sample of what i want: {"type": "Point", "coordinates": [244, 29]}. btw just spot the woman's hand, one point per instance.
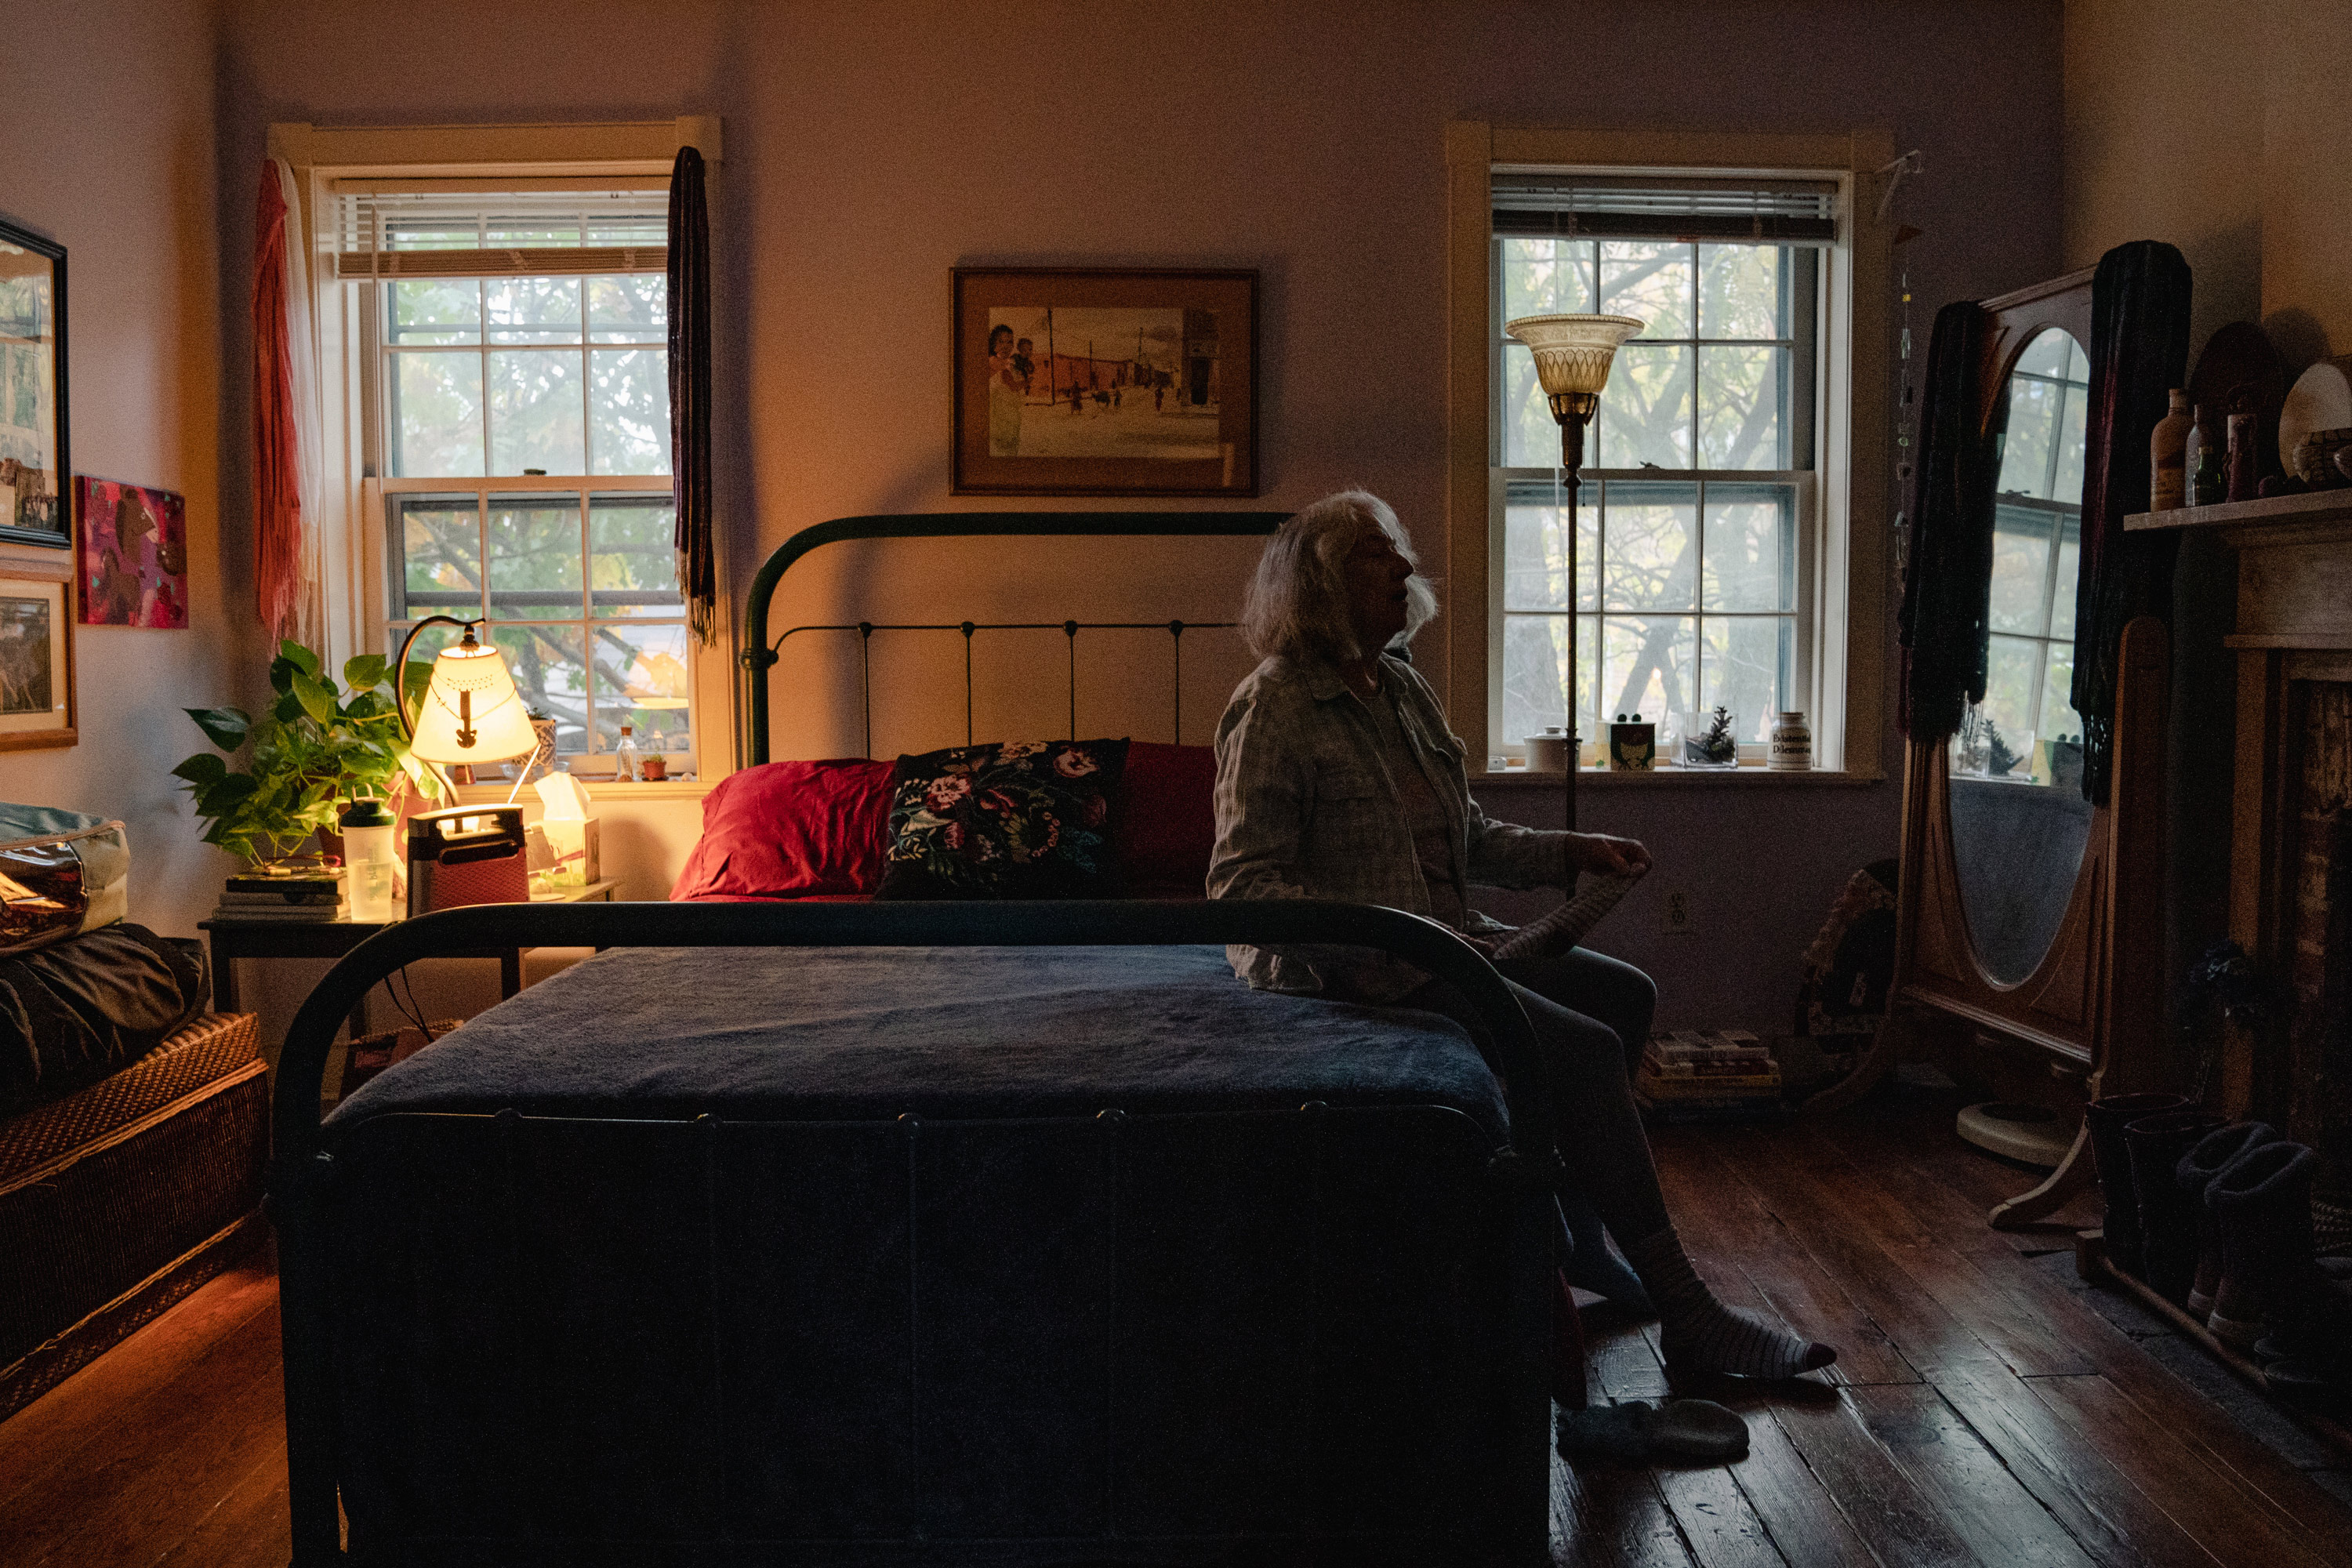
{"type": "Point", "coordinates": [1608, 857]}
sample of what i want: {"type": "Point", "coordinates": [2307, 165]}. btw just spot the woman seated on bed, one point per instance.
{"type": "Point", "coordinates": [1338, 778]}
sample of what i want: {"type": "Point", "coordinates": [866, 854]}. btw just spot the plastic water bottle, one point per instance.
{"type": "Point", "coordinates": [628, 765]}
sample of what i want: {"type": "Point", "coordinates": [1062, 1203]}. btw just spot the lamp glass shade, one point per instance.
{"type": "Point", "coordinates": [1573, 352]}
{"type": "Point", "coordinates": [472, 712]}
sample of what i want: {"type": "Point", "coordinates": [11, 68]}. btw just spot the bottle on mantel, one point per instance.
{"type": "Point", "coordinates": [2209, 483]}
{"type": "Point", "coordinates": [2245, 457]}
{"type": "Point", "coordinates": [2168, 483]}
{"type": "Point", "coordinates": [628, 762]}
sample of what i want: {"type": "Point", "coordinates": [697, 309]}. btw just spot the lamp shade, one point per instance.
{"type": "Point", "coordinates": [1573, 352]}
{"type": "Point", "coordinates": [472, 712]}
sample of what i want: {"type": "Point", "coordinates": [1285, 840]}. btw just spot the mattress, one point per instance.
{"type": "Point", "coordinates": [61, 873]}
{"type": "Point", "coordinates": [852, 1033]}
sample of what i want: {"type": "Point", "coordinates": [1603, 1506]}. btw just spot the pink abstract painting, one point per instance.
{"type": "Point", "coordinates": [134, 554]}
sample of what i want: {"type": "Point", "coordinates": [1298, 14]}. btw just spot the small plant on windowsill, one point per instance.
{"type": "Point", "coordinates": [316, 747]}
{"type": "Point", "coordinates": [1716, 746]}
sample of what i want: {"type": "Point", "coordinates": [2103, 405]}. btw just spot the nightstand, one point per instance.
{"type": "Point", "coordinates": [270, 937]}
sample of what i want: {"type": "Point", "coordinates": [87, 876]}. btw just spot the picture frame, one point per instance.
{"type": "Point", "coordinates": [133, 548]}
{"type": "Point", "coordinates": [35, 506]}
{"type": "Point", "coordinates": [36, 660]}
{"type": "Point", "coordinates": [1105, 381]}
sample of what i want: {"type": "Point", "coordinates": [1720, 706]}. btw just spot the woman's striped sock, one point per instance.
{"type": "Point", "coordinates": [1700, 1334]}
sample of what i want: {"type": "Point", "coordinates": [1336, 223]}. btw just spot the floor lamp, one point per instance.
{"type": "Point", "coordinates": [1573, 358]}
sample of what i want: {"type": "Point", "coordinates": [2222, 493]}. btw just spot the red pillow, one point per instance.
{"type": "Point", "coordinates": [1168, 827]}
{"type": "Point", "coordinates": [792, 830]}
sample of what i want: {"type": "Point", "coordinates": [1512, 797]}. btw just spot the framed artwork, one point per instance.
{"type": "Point", "coordinates": [134, 554]}
{"type": "Point", "coordinates": [32, 455]}
{"type": "Point", "coordinates": [37, 673]}
{"type": "Point", "coordinates": [1138, 382]}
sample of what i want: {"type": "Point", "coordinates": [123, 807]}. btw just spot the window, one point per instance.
{"type": "Point", "coordinates": [1699, 536]}
{"type": "Point", "coordinates": [2036, 551]}
{"type": "Point", "coordinates": [515, 420]}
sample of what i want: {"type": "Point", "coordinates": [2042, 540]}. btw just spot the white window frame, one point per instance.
{"type": "Point", "coordinates": [353, 531]}
{"type": "Point", "coordinates": [1843, 564]}
{"type": "Point", "coordinates": [1805, 614]}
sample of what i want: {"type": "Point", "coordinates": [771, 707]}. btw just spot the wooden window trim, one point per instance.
{"type": "Point", "coordinates": [353, 567]}
{"type": "Point", "coordinates": [1856, 470]}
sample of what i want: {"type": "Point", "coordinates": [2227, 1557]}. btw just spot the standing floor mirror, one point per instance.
{"type": "Point", "coordinates": [2026, 914]}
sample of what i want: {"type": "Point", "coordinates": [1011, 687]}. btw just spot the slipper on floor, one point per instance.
{"type": "Point", "coordinates": [1638, 1431]}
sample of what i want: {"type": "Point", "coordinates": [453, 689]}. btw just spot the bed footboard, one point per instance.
{"type": "Point", "coordinates": [1521, 1173]}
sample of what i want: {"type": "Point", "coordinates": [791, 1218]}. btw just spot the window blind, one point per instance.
{"type": "Point", "coordinates": [388, 228]}
{"type": "Point", "coordinates": [1654, 207]}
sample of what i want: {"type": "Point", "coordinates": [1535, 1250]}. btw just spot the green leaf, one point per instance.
{"type": "Point", "coordinates": [224, 727]}
{"type": "Point", "coordinates": [317, 698]}
{"type": "Point", "coordinates": [300, 657]}
{"type": "Point", "coordinates": [287, 707]}
{"type": "Point", "coordinates": [364, 671]}
{"type": "Point", "coordinates": [367, 705]}
{"type": "Point", "coordinates": [416, 679]}
{"type": "Point", "coordinates": [224, 795]}
{"type": "Point", "coordinates": [201, 769]}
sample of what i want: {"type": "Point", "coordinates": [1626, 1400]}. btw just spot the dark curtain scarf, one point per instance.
{"type": "Point", "coordinates": [1948, 581]}
{"type": "Point", "coordinates": [2139, 352]}
{"type": "Point", "coordinates": [690, 390]}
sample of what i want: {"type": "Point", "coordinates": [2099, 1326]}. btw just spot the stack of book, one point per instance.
{"type": "Point", "coordinates": [1702, 1072]}
{"type": "Point", "coordinates": [313, 896]}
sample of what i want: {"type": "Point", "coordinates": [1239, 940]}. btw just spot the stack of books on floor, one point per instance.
{"type": "Point", "coordinates": [1696, 1074]}
{"type": "Point", "coordinates": [317, 896]}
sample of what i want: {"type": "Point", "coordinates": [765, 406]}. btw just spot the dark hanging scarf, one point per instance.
{"type": "Point", "coordinates": [1948, 580]}
{"type": "Point", "coordinates": [690, 390]}
{"type": "Point", "coordinates": [2139, 352]}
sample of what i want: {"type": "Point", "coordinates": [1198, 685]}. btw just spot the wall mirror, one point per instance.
{"type": "Point", "coordinates": [2019, 821]}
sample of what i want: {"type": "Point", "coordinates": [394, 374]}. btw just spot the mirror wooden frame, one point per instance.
{"type": "Point", "coordinates": [2095, 1000]}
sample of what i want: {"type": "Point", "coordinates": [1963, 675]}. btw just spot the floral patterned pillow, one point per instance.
{"type": "Point", "coordinates": [1020, 819]}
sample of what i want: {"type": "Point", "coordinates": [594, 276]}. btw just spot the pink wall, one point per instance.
{"type": "Point", "coordinates": [868, 149]}
{"type": "Point", "coordinates": [106, 127]}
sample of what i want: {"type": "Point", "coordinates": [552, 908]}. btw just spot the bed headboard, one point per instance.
{"type": "Point", "coordinates": [758, 651]}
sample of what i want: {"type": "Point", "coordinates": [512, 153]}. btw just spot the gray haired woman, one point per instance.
{"type": "Point", "coordinates": [1338, 778]}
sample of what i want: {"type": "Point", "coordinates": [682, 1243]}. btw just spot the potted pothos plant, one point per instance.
{"type": "Point", "coordinates": [317, 746]}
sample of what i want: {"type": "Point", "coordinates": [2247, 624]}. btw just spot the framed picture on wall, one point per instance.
{"type": "Point", "coordinates": [1139, 382]}
{"type": "Point", "coordinates": [134, 554]}
{"type": "Point", "coordinates": [33, 457]}
{"type": "Point", "coordinates": [37, 673]}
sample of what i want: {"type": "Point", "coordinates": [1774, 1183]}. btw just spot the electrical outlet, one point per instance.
{"type": "Point", "coordinates": [1675, 915]}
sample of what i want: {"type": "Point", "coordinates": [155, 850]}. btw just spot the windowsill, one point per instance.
{"type": "Point", "coordinates": [496, 792]}
{"type": "Point", "coordinates": [1674, 778]}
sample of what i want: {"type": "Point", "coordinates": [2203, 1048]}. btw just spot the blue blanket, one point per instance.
{"type": "Point", "coordinates": [867, 1033]}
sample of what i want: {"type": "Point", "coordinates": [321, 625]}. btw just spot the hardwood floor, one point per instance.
{"type": "Point", "coordinates": [1986, 1407]}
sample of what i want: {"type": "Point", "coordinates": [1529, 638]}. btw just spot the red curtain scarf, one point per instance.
{"type": "Point", "coordinates": [277, 494]}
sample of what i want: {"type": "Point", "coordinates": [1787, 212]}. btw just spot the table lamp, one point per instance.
{"type": "Point", "coordinates": [471, 712]}
{"type": "Point", "coordinates": [1573, 353]}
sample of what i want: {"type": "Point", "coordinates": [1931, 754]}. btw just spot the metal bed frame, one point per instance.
{"type": "Point", "coordinates": [303, 1163]}
{"type": "Point", "coordinates": [759, 654]}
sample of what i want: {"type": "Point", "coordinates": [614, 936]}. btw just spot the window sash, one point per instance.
{"type": "Point", "coordinates": [401, 607]}
{"type": "Point", "coordinates": [1797, 374]}
{"type": "Point", "coordinates": [1798, 614]}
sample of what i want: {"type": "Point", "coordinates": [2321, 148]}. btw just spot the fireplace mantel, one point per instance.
{"type": "Point", "coordinates": [2292, 805]}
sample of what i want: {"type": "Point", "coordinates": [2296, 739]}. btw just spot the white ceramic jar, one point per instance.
{"type": "Point", "coordinates": [1547, 753]}
{"type": "Point", "coordinates": [1792, 750]}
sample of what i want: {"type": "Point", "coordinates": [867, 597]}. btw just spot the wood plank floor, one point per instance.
{"type": "Point", "coordinates": [1987, 1407]}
